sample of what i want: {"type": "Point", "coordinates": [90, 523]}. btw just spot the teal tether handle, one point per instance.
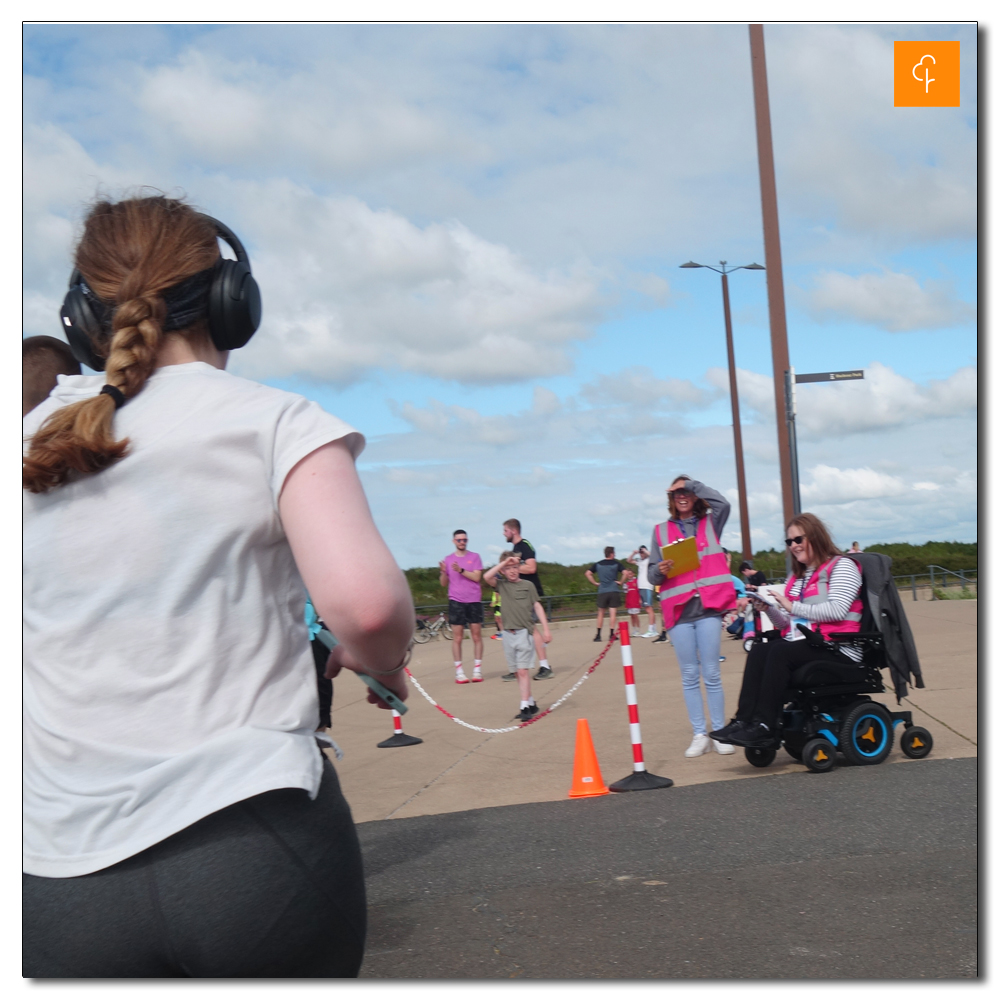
{"type": "Point", "coordinates": [329, 640]}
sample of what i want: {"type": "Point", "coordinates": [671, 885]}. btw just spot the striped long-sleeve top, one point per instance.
{"type": "Point", "coordinates": [845, 583]}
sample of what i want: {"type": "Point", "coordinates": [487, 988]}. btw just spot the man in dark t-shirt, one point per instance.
{"type": "Point", "coordinates": [754, 577]}
{"type": "Point", "coordinates": [529, 571]}
{"type": "Point", "coordinates": [609, 594]}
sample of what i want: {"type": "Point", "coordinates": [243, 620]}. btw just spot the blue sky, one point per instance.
{"type": "Point", "coordinates": [468, 240]}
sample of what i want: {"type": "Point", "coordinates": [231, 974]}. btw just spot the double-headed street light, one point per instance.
{"type": "Point", "coordinates": [741, 482]}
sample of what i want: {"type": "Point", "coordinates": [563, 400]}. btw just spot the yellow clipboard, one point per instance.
{"type": "Point", "coordinates": [684, 554]}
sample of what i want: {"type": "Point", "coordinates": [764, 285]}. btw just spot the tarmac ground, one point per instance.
{"type": "Point", "coordinates": [478, 865]}
{"type": "Point", "coordinates": [842, 875]}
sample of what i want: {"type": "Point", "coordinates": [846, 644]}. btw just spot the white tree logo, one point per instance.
{"type": "Point", "coordinates": [926, 79]}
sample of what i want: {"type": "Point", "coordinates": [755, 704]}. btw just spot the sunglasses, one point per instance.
{"type": "Point", "coordinates": [797, 540]}
{"type": "Point", "coordinates": [679, 493]}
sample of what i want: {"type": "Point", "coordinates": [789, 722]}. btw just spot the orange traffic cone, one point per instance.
{"type": "Point", "coordinates": [587, 780]}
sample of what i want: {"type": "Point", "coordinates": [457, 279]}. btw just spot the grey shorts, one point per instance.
{"type": "Point", "coordinates": [609, 599]}
{"type": "Point", "coordinates": [519, 648]}
{"type": "Point", "coordinates": [646, 597]}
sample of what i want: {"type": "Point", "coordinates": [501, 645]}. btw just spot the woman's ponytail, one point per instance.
{"type": "Point", "coordinates": [130, 253]}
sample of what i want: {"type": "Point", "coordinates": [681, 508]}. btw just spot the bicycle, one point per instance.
{"type": "Point", "coordinates": [426, 630]}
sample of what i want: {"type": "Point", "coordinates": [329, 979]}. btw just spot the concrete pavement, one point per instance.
{"type": "Point", "coordinates": [458, 769]}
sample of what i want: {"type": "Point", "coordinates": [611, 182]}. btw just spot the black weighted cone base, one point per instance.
{"type": "Point", "coordinates": [640, 781]}
{"type": "Point", "coordinates": [400, 740]}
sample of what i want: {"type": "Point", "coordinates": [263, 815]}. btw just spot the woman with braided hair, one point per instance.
{"type": "Point", "coordinates": [179, 818]}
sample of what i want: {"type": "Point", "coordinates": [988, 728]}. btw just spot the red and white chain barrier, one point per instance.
{"type": "Point", "coordinates": [520, 725]}
{"type": "Point", "coordinates": [640, 778]}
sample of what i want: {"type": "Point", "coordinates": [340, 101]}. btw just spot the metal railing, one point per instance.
{"type": "Point", "coordinates": [936, 577]}
{"type": "Point", "coordinates": [959, 574]}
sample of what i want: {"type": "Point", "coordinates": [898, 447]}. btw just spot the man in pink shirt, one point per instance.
{"type": "Point", "coordinates": [461, 572]}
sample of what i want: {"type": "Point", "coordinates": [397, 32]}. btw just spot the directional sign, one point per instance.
{"type": "Point", "coordinates": [829, 376]}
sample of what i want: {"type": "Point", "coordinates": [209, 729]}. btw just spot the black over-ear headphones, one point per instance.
{"type": "Point", "coordinates": [233, 306]}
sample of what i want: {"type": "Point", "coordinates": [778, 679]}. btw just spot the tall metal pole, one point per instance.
{"type": "Point", "coordinates": [741, 479]}
{"type": "Point", "coordinates": [772, 253]}
{"type": "Point", "coordinates": [793, 448]}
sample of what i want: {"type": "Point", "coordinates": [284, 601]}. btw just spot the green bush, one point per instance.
{"type": "Point", "coordinates": [908, 558]}
{"type": "Point", "coordinates": [556, 579]}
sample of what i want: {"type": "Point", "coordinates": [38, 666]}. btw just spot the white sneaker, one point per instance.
{"type": "Point", "coordinates": [650, 634]}
{"type": "Point", "coordinates": [723, 747]}
{"type": "Point", "coordinates": [699, 745]}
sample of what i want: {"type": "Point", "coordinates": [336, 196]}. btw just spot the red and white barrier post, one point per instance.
{"type": "Point", "coordinates": [640, 779]}
{"type": "Point", "coordinates": [399, 738]}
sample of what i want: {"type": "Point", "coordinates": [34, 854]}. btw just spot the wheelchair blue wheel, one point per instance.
{"type": "Point", "coordinates": [760, 756]}
{"type": "Point", "coordinates": [819, 755]}
{"type": "Point", "coordinates": [866, 734]}
{"type": "Point", "coordinates": [916, 742]}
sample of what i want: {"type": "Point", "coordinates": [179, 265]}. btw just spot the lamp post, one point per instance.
{"type": "Point", "coordinates": [741, 481]}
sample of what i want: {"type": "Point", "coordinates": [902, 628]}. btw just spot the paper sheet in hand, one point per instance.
{"type": "Point", "coordinates": [684, 554]}
{"type": "Point", "coordinates": [767, 597]}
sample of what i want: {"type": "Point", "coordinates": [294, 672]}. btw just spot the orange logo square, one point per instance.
{"type": "Point", "coordinates": [926, 75]}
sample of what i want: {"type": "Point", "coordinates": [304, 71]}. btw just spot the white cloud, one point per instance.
{"type": "Point", "coordinates": [225, 112]}
{"type": "Point", "coordinates": [578, 481]}
{"type": "Point", "coordinates": [638, 386]}
{"type": "Point", "coordinates": [892, 301]}
{"type": "Point", "coordinates": [348, 290]}
{"type": "Point", "coordinates": [458, 201]}
{"type": "Point", "coordinates": [58, 175]}
{"type": "Point", "coordinates": [843, 154]}
{"type": "Point", "coordinates": [441, 421]}
{"type": "Point", "coordinates": [590, 542]}
{"type": "Point", "coordinates": [830, 485]}
{"type": "Point", "coordinates": [756, 391]}
{"type": "Point", "coordinates": [881, 400]}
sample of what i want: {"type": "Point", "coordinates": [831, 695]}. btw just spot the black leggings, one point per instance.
{"type": "Point", "coordinates": [765, 677]}
{"type": "Point", "coordinates": [269, 887]}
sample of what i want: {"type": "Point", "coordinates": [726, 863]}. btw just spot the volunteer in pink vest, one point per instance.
{"type": "Point", "coordinates": [693, 603]}
{"type": "Point", "coordinates": [824, 594]}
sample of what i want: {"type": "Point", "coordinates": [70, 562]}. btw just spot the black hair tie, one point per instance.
{"type": "Point", "coordinates": [115, 393]}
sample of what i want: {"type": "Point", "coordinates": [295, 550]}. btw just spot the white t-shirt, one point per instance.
{"type": "Point", "coordinates": [167, 670]}
{"type": "Point", "coordinates": [642, 575]}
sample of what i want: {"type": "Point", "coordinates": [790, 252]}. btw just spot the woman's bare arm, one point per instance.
{"type": "Point", "coordinates": [352, 577]}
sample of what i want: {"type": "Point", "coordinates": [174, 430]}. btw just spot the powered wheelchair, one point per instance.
{"type": "Point", "coordinates": [829, 709]}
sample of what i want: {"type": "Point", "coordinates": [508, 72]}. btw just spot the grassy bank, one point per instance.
{"type": "Point", "coordinates": [559, 579]}
{"type": "Point", "coordinates": [556, 579]}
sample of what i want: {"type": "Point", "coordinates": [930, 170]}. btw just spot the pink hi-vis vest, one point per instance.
{"type": "Point", "coordinates": [711, 581]}
{"type": "Point", "coordinates": [817, 591]}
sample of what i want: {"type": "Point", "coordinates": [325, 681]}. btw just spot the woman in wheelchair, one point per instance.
{"type": "Point", "coordinates": [823, 594]}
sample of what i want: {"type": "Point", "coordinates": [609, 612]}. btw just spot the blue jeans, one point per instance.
{"type": "Point", "coordinates": [697, 647]}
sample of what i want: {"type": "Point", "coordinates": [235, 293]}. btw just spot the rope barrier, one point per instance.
{"type": "Point", "coordinates": [520, 725]}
